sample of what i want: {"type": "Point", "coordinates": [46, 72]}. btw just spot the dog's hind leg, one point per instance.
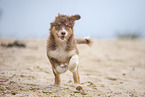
{"type": "Point", "coordinates": [73, 67]}
{"type": "Point", "coordinates": [57, 78]}
{"type": "Point", "coordinates": [77, 80]}
{"type": "Point", "coordinates": [57, 70]}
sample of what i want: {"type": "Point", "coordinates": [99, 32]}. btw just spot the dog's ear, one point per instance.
{"type": "Point", "coordinates": [59, 14]}
{"type": "Point", "coordinates": [75, 17]}
{"type": "Point", "coordinates": [51, 24]}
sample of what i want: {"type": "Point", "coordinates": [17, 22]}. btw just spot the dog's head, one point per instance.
{"type": "Point", "coordinates": [62, 27]}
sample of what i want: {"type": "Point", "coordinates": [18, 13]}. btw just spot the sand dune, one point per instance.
{"type": "Point", "coordinates": [110, 68]}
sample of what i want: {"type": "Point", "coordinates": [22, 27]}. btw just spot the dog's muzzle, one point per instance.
{"type": "Point", "coordinates": [62, 34]}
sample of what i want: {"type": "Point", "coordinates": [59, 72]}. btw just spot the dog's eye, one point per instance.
{"type": "Point", "coordinates": [57, 27]}
{"type": "Point", "coordinates": [67, 25]}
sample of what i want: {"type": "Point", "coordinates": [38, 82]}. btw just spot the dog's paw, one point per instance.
{"type": "Point", "coordinates": [79, 89]}
{"type": "Point", "coordinates": [73, 63]}
{"type": "Point", "coordinates": [62, 69]}
{"type": "Point", "coordinates": [63, 65]}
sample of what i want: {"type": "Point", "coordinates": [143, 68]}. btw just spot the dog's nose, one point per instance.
{"type": "Point", "coordinates": [63, 33]}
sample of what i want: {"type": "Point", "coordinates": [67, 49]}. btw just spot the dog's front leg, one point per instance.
{"type": "Point", "coordinates": [73, 67]}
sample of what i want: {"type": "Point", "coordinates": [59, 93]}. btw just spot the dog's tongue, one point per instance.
{"type": "Point", "coordinates": [62, 37]}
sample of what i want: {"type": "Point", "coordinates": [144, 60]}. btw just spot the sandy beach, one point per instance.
{"type": "Point", "coordinates": [109, 68]}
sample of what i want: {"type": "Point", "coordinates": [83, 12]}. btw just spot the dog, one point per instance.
{"type": "Point", "coordinates": [62, 49]}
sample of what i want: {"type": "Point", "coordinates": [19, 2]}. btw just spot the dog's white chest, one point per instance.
{"type": "Point", "coordinates": [61, 55]}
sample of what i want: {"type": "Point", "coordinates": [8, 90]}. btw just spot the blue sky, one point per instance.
{"type": "Point", "coordinates": [99, 18]}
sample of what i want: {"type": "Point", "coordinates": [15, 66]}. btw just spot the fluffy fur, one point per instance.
{"type": "Point", "coordinates": [62, 49]}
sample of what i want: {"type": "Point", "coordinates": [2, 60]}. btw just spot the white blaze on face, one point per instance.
{"type": "Point", "coordinates": [61, 36]}
{"type": "Point", "coordinates": [63, 30]}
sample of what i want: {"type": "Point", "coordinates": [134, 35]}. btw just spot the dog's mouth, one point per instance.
{"type": "Point", "coordinates": [62, 37]}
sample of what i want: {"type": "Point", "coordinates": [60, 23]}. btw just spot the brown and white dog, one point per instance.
{"type": "Point", "coordinates": [62, 49]}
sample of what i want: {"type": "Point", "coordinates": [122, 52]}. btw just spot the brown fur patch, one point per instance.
{"type": "Point", "coordinates": [51, 45]}
{"type": "Point", "coordinates": [65, 20]}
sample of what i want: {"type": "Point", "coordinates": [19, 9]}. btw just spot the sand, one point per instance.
{"type": "Point", "coordinates": [109, 68]}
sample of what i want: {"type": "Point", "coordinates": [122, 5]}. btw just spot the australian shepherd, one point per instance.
{"type": "Point", "coordinates": [62, 49]}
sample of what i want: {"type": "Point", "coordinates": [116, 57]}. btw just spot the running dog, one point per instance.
{"type": "Point", "coordinates": [62, 49]}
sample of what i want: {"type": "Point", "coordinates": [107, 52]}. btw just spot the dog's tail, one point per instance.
{"type": "Point", "coordinates": [84, 41]}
